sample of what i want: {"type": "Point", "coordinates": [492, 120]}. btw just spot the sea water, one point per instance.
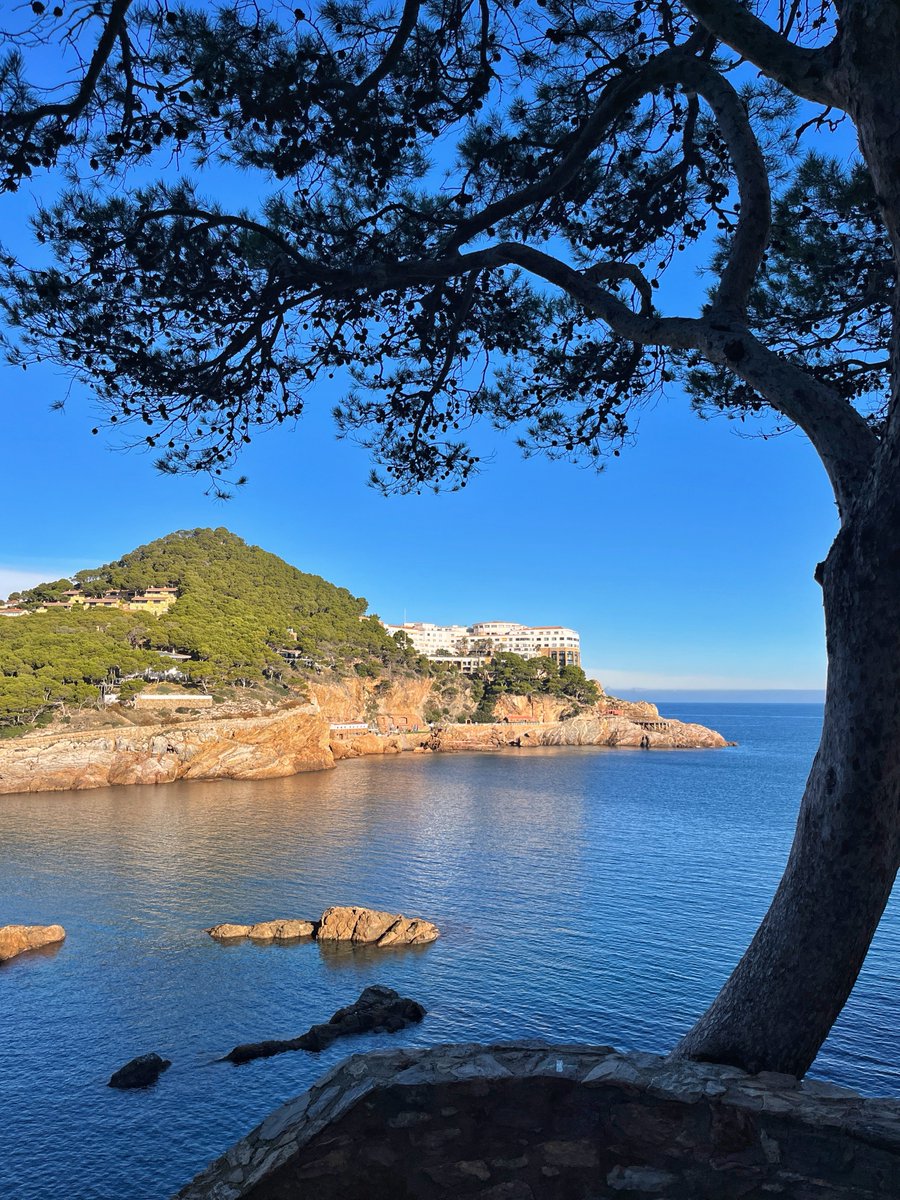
{"type": "Point", "coordinates": [582, 894]}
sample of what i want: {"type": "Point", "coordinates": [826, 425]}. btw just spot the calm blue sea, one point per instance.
{"type": "Point", "coordinates": [589, 895]}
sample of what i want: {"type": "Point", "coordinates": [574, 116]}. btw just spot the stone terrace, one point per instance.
{"type": "Point", "coordinates": [528, 1121]}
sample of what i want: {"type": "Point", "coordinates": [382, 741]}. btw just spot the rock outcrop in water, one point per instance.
{"type": "Point", "coordinates": [654, 733]}
{"type": "Point", "coordinates": [140, 1072]}
{"type": "Point", "coordinates": [284, 930]}
{"type": "Point", "coordinates": [378, 1010]}
{"type": "Point", "coordinates": [370, 927]}
{"type": "Point", "coordinates": [18, 939]}
{"type": "Point", "coordinates": [349, 923]}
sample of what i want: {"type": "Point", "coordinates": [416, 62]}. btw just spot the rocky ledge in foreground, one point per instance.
{"type": "Point", "coordinates": [17, 939]}
{"type": "Point", "coordinates": [140, 1072]}
{"type": "Point", "coordinates": [531, 1121]}
{"type": "Point", "coordinates": [340, 923]}
{"type": "Point", "coordinates": [378, 1010]}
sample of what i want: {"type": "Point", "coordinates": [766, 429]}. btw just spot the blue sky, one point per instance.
{"type": "Point", "coordinates": [687, 564]}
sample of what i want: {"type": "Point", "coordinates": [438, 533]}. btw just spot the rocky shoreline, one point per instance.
{"type": "Point", "coordinates": [296, 740]}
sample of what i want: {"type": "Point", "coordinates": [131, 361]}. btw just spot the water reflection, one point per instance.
{"type": "Point", "coordinates": [21, 961]}
{"type": "Point", "coordinates": [342, 956]}
{"type": "Point", "coordinates": [584, 895]}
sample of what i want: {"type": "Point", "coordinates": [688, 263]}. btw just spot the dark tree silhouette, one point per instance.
{"type": "Point", "coordinates": [470, 205]}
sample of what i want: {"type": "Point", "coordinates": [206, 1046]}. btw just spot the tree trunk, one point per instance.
{"type": "Point", "coordinates": [786, 992]}
{"type": "Point", "coordinates": [783, 997]}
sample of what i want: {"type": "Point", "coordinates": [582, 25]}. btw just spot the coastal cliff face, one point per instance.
{"type": "Point", "coordinates": [300, 739]}
{"type": "Point", "coordinates": [547, 709]}
{"type": "Point", "coordinates": [372, 743]}
{"type": "Point", "coordinates": [581, 731]}
{"type": "Point", "coordinates": [242, 748]}
{"type": "Point", "coordinates": [402, 701]}
{"type": "Point", "coordinates": [405, 702]}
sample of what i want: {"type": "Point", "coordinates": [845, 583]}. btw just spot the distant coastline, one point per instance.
{"type": "Point", "coordinates": [726, 695]}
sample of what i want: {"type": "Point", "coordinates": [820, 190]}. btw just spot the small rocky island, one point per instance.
{"type": "Point", "coordinates": [19, 939]}
{"type": "Point", "coordinates": [340, 923]}
{"type": "Point", "coordinates": [378, 1010]}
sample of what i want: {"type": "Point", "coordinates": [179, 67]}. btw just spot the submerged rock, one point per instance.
{"type": "Point", "coordinates": [378, 1010]}
{"type": "Point", "coordinates": [281, 930]}
{"type": "Point", "coordinates": [368, 926]}
{"type": "Point", "coordinates": [16, 939]}
{"type": "Point", "coordinates": [140, 1072]}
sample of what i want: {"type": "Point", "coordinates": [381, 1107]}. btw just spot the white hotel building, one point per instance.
{"type": "Point", "coordinates": [530, 641]}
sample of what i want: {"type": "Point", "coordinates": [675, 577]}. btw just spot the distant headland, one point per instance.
{"type": "Point", "coordinates": [198, 656]}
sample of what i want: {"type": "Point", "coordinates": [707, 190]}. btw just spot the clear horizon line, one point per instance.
{"type": "Point", "coordinates": [670, 695]}
{"type": "Point", "coordinates": [669, 688]}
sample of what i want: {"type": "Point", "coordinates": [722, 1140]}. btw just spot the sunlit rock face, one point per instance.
{"type": "Point", "coordinates": [607, 730]}
{"type": "Point", "coordinates": [17, 939]}
{"type": "Point", "coordinates": [239, 748]}
{"type": "Point", "coordinates": [368, 926]}
{"type": "Point", "coordinates": [294, 740]}
{"type": "Point", "coordinates": [340, 923]}
{"type": "Point", "coordinates": [541, 1122]}
{"type": "Point", "coordinates": [284, 929]}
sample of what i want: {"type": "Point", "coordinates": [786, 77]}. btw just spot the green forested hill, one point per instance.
{"type": "Point", "coordinates": [234, 599]}
{"type": "Point", "coordinates": [58, 658]}
{"type": "Point", "coordinates": [236, 603]}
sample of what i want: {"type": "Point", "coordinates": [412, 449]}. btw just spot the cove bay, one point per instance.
{"type": "Point", "coordinates": [583, 894]}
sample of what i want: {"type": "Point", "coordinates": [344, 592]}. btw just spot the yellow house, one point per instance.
{"type": "Point", "coordinates": [154, 600]}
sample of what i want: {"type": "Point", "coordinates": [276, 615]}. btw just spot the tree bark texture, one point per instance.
{"type": "Point", "coordinates": [782, 999]}
{"type": "Point", "coordinates": [785, 994]}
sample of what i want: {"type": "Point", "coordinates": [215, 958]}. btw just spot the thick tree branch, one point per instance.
{"type": "Point", "coordinates": [807, 73]}
{"type": "Point", "coordinates": [838, 433]}
{"type": "Point", "coordinates": [840, 436]}
{"type": "Point", "coordinates": [72, 109]}
{"type": "Point", "coordinates": [696, 76]}
{"type": "Point", "coordinates": [752, 233]}
{"type": "Point", "coordinates": [392, 55]}
{"type": "Point", "coordinates": [614, 101]}
{"type": "Point", "coordinates": [601, 272]}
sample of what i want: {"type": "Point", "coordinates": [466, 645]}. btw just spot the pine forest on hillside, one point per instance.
{"type": "Point", "coordinates": [237, 607]}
